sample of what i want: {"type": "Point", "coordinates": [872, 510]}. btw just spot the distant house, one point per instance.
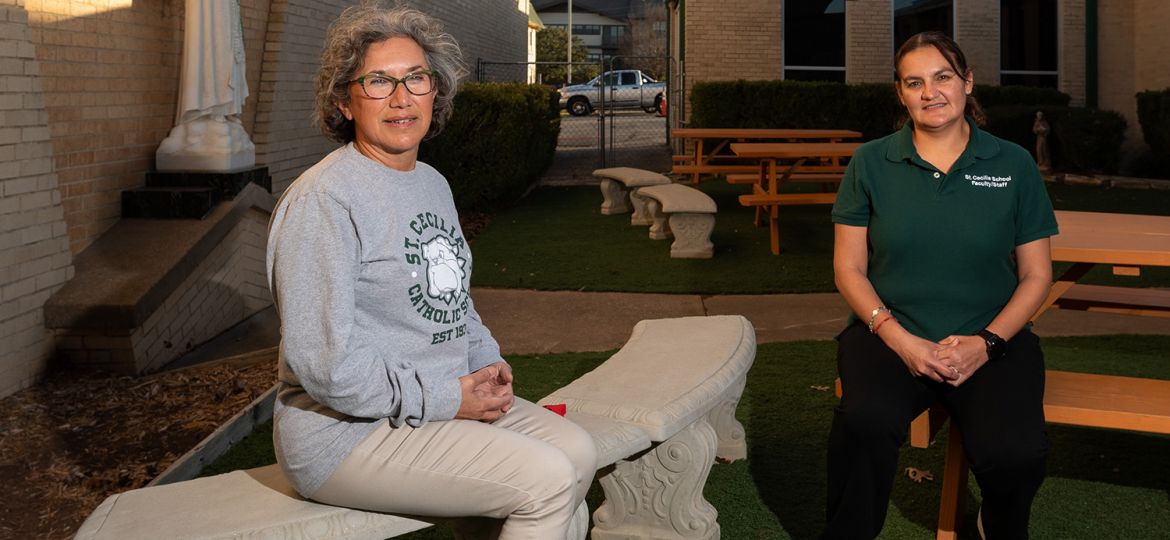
{"type": "Point", "coordinates": [534, 25]}
{"type": "Point", "coordinates": [599, 23]}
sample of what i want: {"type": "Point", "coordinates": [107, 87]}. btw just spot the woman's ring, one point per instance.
{"type": "Point", "coordinates": [955, 371]}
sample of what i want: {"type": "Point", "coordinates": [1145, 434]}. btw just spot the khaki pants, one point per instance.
{"type": "Point", "coordinates": [531, 468]}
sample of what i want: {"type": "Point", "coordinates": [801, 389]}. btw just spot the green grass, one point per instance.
{"type": "Point", "coordinates": [1101, 483]}
{"type": "Point", "coordinates": [556, 239]}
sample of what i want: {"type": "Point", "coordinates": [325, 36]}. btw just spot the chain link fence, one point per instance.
{"type": "Point", "coordinates": [618, 119]}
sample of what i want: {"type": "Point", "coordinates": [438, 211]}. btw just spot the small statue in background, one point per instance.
{"type": "Point", "coordinates": [1041, 129]}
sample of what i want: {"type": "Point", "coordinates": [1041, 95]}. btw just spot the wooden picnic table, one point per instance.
{"type": "Point", "coordinates": [1126, 242]}
{"type": "Point", "coordinates": [765, 192]}
{"type": "Point", "coordinates": [700, 162]}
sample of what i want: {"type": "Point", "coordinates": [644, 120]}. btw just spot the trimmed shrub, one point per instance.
{"type": "Point", "coordinates": [1080, 139]}
{"type": "Point", "coordinates": [499, 141]}
{"type": "Point", "coordinates": [870, 108]}
{"type": "Point", "coordinates": [1153, 110]}
{"type": "Point", "coordinates": [996, 96]}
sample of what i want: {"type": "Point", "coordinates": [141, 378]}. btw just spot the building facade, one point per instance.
{"type": "Point", "coordinates": [88, 90]}
{"type": "Point", "coordinates": [1099, 52]}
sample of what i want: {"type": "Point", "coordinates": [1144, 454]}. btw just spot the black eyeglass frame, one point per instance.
{"type": "Point", "coordinates": [396, 81]}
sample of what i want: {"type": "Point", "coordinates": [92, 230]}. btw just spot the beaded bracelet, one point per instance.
{"type": "Point", "coordinates": [873, 315]}
{"type": "Point", "coordinates": [881, 322]}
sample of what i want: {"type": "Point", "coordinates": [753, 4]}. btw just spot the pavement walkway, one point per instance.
{"type": "Point", "coordinates": [527, 322]}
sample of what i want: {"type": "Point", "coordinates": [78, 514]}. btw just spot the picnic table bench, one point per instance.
{"type": "Point", "coordinates": [1127, 242]}
{"type": "Point", "coordinates": [716, 159]}
{"type": "Point", "coordinates": [661, 411]}
{"type": "Point", "coordinates": [1075, 399]}
{"type": "Point", "coordinates": [766, 195]}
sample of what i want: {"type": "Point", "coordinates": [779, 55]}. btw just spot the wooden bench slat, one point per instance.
{"type": "Point", "coordinates": [713, 169]}
{"type": "Point", "coordinates": [1107, 401]}
{"type": "Point", "coordinates": [766, 199]}
{"type": "Point", "coordinates": [796, 177]}
{"type": "Point", "coordinates": [1116, 299]}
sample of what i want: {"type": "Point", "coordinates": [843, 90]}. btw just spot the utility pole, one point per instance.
{"type": "Point", "coordinates": [569, 47]}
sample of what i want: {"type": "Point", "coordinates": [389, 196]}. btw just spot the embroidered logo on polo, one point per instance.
{"type": "Point", "coordinates": [988, 180]}
{"type": "Point", "coordinates": [439, 293]}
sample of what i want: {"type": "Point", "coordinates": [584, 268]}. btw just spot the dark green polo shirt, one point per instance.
{"type": "Point", "coordinates": [941, 245]}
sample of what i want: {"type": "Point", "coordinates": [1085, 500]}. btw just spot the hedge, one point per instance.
{"type": "Point", "coordinates": [1154, 116]}
{"type": "Point", "coordinates": [1087, 140]}
{"type": "Point", "coordinates": [870, 108]}
{"type": "Point", "coordinates": [1080, 139]}
{"type": "Point", "coordinates": [499, 141]}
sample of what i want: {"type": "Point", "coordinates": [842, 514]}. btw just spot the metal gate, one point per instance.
{"type": "Point", "coordinates": [604, 123]}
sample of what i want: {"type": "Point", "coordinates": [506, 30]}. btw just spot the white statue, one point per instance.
{"type": "Point", "coordinates": [208, 135]}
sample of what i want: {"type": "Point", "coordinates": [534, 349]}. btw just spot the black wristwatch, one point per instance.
{"type": "Point", "coordinates": [996, 346]}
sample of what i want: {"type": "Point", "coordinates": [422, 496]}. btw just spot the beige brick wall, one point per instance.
{"type": "Point", "coordinates": [869, 41]}
{"type": "Point", "coordinates": [977, 32]}
{"type": "Point", "coordinates": [732, 39]}
{"type": "Point", "coordinates": [1152, 31]}
{"type": "Point", "coordinates": [34, 249]}
{"type": "Point", "coordinates": [285, 138]}
{"type": "Point", "coordinates": [109, 76]}
{"type": "Point", "coordinates": [1134, 48]}
{"type": "Point", "coordinates": [503, 40]}
{"type": "Point", "coordinates": [226, 287]}
{"type": "Point", "coordinates": [1116, 43]}
{"type": "Point", "coordinates": [1071, 49]}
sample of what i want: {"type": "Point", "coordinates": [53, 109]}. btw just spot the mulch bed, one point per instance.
{"type": "Point", "coordinates": [75, 439]}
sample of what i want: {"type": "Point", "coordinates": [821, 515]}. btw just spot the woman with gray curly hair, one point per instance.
{"type": "Point", "coordinates": [393, 395]}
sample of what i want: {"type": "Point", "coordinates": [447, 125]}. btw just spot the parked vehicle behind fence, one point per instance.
{"type": "Point", "coordinates": [625, 89]}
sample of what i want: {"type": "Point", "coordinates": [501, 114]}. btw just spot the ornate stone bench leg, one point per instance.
{"type": "Point", "coordinates": [728, 430]}
{"type": "Point", "coordinates": [660, 495]}
{"type": "Point", "coordinates": [692, 236]}
{"type": "Point", "coordinates": [614, 194]}
{"type": "Point", "coordinates": [638, 202]}
{"type": "Point", "coordinates": [659, 228]}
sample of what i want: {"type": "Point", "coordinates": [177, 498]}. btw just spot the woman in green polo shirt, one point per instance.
{"type": "Point", "coordinates": [941, 251]}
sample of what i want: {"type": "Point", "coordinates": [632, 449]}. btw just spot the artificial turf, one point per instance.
{"type": "Point", "coordinates": [557, 239]}
{"type": "Point", "coordinates": [1101, 483]}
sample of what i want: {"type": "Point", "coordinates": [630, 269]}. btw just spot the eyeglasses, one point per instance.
{"type": "Point", "coordinates": [380, 86]}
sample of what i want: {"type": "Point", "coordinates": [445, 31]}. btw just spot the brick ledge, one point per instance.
{"type": "Point", "coordinates": [126, 274]}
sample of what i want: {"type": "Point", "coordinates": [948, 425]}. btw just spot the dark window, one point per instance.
{"type": "Point", "coordinates": [629, 78]}
{"type": "Point", "coordinates": [915, 16]}
{"type": "Point", "coordinates": [814, 40]}
{"type": "Point", "coordinates": [1028, 43]}
{"type": "Point", "coordinates": [611, 36]}
{"type": "Point", "coordinates": [587, 29]}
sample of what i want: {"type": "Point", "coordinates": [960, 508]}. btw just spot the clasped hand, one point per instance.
{"type": "Point", "coordinates": [487, 393]}
{"type": "Point", "coordinates": [952, 360]}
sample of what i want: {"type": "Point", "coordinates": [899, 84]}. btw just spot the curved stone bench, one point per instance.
{"type": "Point", "coordinates": [679, 382]}
{"type": "Point", "coordinates": [666, 400]}
{"type": "Point", "coordinates": [616, 184]}
{"type": "Point", "coordinates": [680, 212]}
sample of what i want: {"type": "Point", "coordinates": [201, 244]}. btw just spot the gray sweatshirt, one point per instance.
{"type": "Point", "coordinates": [369, 272]}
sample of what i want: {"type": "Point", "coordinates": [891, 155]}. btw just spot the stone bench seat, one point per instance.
{"type": "Point", "coordinates": [680, 212]}
{"type": "Point", "coordinates": [616, 184]}
{"type": "Point", "coordinates": [678, 381]}
{"type": "Point", "coordinates": [671, 391]}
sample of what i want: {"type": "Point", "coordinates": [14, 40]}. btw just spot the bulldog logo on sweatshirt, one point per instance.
{"type": "Point", "coordinates": [437, 255]}
{"type": "Point", "coordinates": [445, 270]}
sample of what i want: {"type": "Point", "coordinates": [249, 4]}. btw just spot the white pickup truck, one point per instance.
{"type": "Point", "coordinates": [625, 89]}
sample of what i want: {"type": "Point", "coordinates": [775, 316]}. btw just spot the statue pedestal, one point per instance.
{"type": "Point", "coordinates": [189, 195]}
{"type": "Point", "coordinates": [207, 144]}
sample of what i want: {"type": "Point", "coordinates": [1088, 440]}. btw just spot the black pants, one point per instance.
{"type": "Point", "coordinates": [999, 409]}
